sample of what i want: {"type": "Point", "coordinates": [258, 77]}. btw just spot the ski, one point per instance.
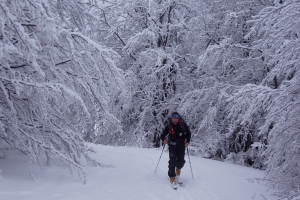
{"type": "Point", "coordinates": [180, 182]}
{"type": "Point", "coordinates": [174, 186]}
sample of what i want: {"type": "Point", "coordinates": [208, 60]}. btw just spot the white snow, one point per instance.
{"type": "Point", "coordinates": [132, 178]}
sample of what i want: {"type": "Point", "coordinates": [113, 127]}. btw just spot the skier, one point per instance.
{"type": "Point", "coordinates": [178, 139]}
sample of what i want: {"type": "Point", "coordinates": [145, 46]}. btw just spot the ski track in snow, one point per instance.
{"type": "Point", "coordinates": [183, 193]}
{"type": "Point", "coordinates": [132, 178]}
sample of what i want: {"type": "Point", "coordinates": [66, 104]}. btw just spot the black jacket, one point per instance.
{"type": "Point", "coordinates": [183, 129]}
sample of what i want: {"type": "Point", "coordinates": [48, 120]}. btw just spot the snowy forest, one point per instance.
{"type": "Point", "coordinates": [111, 72]}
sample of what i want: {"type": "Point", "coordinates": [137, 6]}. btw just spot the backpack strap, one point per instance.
{"type": "Point", "coordinates": [172, 131]}
{"type": "Point", "coordinates": [181, 125]}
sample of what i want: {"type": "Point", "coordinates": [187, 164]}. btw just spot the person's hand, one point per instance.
{"type": "Point", "coordinates": [186, 144]}
{"type": "Point", "coordinates": [165, 141]}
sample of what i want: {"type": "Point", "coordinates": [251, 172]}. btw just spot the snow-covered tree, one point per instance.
{"type": "Point", "coordinates": [226, 62]}
{"type": "Point", "coordinates": [278, 29]}
{"type": "Point", "coordinates": [158, 52]}
{"type": "Point", "coordinates": [247, 100]}
{"type": "Point", "coordinates": [55, 79]}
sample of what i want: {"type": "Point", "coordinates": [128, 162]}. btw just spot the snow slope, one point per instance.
{"type": "Point", "coordinates": [132, 178]}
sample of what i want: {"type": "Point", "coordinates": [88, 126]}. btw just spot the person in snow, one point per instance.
{"type": "Point", "coordinates": [177, 135]}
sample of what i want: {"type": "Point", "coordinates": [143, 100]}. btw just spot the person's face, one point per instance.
{"type": "Point", "coordinates": [175, 120]}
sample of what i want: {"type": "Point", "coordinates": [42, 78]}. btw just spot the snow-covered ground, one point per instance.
{"type": "Point", "coordinates": [132, 178]}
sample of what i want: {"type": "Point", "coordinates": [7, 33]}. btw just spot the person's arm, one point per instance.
{"type": "Point", "coordinates": [164, 134]}
{"type": "Point", "coordinates": [188, 133]}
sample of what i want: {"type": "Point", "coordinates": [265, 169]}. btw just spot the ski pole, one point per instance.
{"type": "Point", "coordinates": [159, 158]}
{"type": "Point", "coordinates": [190, 161]}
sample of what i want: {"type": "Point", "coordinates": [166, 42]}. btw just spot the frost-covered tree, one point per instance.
{"type": "Point", "coordinates": [226, 62]}
{"type": "Point", "coordinates": [55, 79]}
{"type": "Point", "coordinates": [151, 35]}
{"type": "Point", "coordinates": [278, 29]}
{"type": "Point", "coordinates": [261, 118]}
{"type": "Point", "coordinates": [158, 52]}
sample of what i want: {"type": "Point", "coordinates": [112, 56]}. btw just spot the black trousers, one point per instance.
{"type": "Point", "coordinates": [176, 156]}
